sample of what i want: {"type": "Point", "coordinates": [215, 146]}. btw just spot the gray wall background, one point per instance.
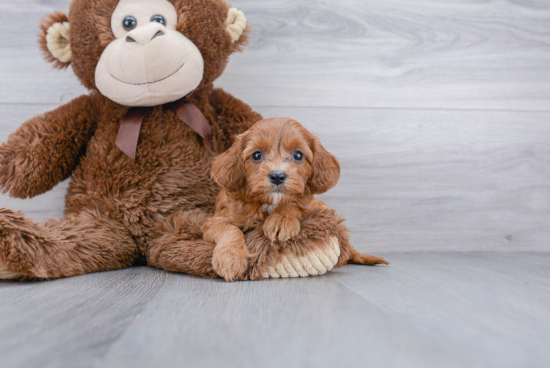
{"type": "Point", "coordinates": [438, 110]}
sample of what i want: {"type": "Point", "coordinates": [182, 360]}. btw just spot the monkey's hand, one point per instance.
{"type": "Point", "coordinates": [46, 149]}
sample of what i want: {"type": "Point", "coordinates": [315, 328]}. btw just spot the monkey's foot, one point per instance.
{"type": "Point", "coordinates": [315, 263]}
{"type": "Point", "coordinates": [6, 274]}
{"type": "Point", "coordinates": [19, 241]}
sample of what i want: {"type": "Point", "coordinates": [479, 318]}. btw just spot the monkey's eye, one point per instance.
{"type": "Point", "coordinates": [257, 156]}
{"type": "Point", "coordinates": [158, 19]}
{"type": "Point", "coordinates": [129, 23]}
{"type": "Point", "coordinates": [298, 156]}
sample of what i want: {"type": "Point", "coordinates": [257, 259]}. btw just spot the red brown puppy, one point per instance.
{"type": "Point", "coordinates": [269, 177]}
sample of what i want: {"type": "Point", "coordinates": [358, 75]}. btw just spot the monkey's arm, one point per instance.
{"type": "Point", "coordinates": [46, 149]}
{"type": "Point", "coordinates": [233, 118]}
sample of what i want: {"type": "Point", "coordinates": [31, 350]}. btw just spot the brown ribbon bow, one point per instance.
{"type": "Point", "coordinates": [128, 133]}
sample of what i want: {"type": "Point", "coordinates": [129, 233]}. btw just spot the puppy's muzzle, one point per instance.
{"type": "Point", "coordinates": [277, 177]}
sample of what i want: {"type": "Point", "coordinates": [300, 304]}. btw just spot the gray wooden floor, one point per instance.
{"type": "Point", "coordinates": [426, 310]}
{"type": "Point", "coordinates": [440, 114]}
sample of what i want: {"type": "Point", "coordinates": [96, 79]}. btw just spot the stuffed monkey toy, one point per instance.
{"type": "Point", "coordinates": [138, 148]}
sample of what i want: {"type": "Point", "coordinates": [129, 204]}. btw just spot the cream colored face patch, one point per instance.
{"type": "Point", "coordinates": [149, 63]}
{"type": "Point", "coordinates": [142, 11]}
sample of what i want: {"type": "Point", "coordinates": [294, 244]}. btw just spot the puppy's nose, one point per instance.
{"type": "Point", "coordinates": [277, 177]}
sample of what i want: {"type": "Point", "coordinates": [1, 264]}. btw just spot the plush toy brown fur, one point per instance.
{"type": "Point", "coordinates": [118, 210]}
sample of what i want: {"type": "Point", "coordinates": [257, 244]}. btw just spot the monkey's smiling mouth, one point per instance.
{"type": "Point", "coordinates": [142, 84]}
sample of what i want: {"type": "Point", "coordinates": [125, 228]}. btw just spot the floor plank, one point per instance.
{"type": "Point", "coordinates": [396, 53]}
{"type": "Point", "coordinates": [424, 310]}
{"type": "Point", "coordinates": [71, 322]}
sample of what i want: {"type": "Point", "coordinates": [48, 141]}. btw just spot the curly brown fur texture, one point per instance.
{"type": "Point", "coordinates": [274, 213]}
{"type": "Point", "coordinates": [115, 206]}
{"type": "Point", "coordinates": [46, 149]}
{"type": "Point", "coordinates": [80, 243]}
{"type": "Point", "coordinates": [177, 245]}
{"type": "Point", "coordinates": [171, 173]}
{"type": "Point", "coordinates": [316, 229]}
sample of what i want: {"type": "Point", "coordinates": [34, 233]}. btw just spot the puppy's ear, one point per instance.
{"type": "Point", "coordinates": [325, 169]}
{"type": "Point", "coordinates": [228, 169]}
{"type": "Point", "coordinates": [54, 40]}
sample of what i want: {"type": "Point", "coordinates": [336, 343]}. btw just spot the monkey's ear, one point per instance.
{"type": "Point", "coordinates": [228, 169]}
{"type": "Point", "coordinates": [54, 40]}
{"type": "Point", "coordinates": [237, 26]}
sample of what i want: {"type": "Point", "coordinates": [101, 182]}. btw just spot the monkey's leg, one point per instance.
{"type": "Point", "coordinates": [178, 245]}
{"type": "Point", "coordinates": [78, 244]}
{"type": "Point", "coordinates": [315, 250]}
{"type": "Point", "coordinates": [321, 245]}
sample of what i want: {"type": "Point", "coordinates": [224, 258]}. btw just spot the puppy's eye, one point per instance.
{"type": "Point", "coordinates": [257, 156]}
{"type": "Point", "coordinates": [158, 19]}
{"type": "Point", "coordinates": [129, 23]}
{"type": "Point", "coordinates": [298, 156]}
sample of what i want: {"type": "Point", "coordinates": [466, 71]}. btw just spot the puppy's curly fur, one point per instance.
{"type": "Point", "coordinates": [269, 177]}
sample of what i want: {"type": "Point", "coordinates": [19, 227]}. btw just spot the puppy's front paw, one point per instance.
{"type": "Point", "coordinates": [281, 227]}
{"type": "Point", "coordinates": [230, 260]}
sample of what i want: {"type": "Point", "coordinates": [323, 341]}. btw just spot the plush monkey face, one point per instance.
{"type": "Point", "coordinates": [149, 63]}
{"type": "Point", "coordinates": [145, 52]}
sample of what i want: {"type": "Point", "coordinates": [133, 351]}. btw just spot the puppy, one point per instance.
{"type": "Point", "coordinates": [268, 178]}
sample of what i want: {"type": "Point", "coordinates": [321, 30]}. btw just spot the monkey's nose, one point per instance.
{"type": "Point", "coordinates": [277, 177]}
{"type": "Point", "coordinates": [144, 35]}
{"type": "Point", "coordinates": [158, 34]}
{"type": "Point", "coordinates": [131, 39]}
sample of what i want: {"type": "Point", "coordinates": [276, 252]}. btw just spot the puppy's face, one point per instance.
{"type": "Point", "coordinates": [276, 161]}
